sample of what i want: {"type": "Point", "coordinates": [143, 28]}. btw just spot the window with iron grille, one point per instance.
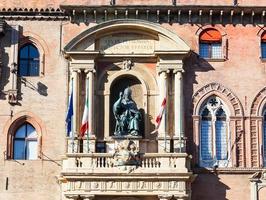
{"type": "Point", "coordinates": [210, 44]}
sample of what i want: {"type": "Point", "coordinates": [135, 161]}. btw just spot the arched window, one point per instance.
{"type": "Point", "coordinates": [263, 45]}
{"type": "Point", "coordinates": [29, 61]}
{"type": "Point", "coordinates": [214, 134]}
{"type": "Point", "coordinates": [210, 44]}
{"type": "Point", "coordinates": [25, 143]}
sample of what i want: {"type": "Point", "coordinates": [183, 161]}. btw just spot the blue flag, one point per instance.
{"type": "Point", "coordinates": [70, 113]}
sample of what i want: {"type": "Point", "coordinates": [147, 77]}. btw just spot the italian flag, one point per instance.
{"type": "Point", "coordinates": [85, 124]}
{"type": "Point", "coordinates": [160, 116]}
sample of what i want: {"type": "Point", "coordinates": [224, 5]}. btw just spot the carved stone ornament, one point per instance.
{"type": "Point", "coordinates": [12, 96]}
{"type": "Point", "coordinates": [127, 64]}
{"type": "Point", "coordinates": [126, 156]}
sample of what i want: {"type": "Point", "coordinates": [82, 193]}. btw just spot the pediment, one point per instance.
{"type": "Point", "coordinates": [127, 38]}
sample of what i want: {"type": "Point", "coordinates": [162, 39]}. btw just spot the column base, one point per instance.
{"type": "Point", "coordinates": [164, 144]}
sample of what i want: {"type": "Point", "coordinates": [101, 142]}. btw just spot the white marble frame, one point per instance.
{"type": "Point", "coordinates": [107, 90]}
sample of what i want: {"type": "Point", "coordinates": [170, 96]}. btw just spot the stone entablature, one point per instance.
{"type": "Point", "coordinates": [201, 14]}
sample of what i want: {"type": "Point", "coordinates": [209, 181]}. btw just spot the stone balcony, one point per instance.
{"type": "Point", "coordinates": [150, 163]}
{"type": "Point", "coordinates": [88, 175]}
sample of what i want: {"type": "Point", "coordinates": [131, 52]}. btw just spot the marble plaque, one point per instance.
{"type": "Point", "coordinates": [126, 44]}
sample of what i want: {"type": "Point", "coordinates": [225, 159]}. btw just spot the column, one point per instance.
{"type": "Point", "coordinates": [179, 145]}
{"type": "Point", "coordinates": [163, 138]}
{"type": "Point", "coordinates": [163, 94]}
{"type": "Point", "coordinates": [73, 143]}
{"type": "Point", "coordinates": [89, 144]}
{"type": "Point", "coordinates": [75, 77]}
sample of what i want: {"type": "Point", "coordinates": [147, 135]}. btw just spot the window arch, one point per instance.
{"type": "Point", "coordinates": [210, 44]}
{"type": "Point", "coordinates": [264, 137]}
{"type": "Point", "coordinates": [25, 144]}
{"type": "Point", "coordinates": [29, 60]}
{"type": "Point", "coordinates": [214, 134]}
{"type": "Point", "coordinates": [263, 45]}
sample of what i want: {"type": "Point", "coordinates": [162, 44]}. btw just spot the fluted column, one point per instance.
{"type": "Point", "coordinates": [179, 112]}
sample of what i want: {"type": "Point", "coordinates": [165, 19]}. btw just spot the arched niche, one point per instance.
{"type": "Point", "coordinates": [119, 85]}
{"type": "Point", "coordinates": [117, 82]}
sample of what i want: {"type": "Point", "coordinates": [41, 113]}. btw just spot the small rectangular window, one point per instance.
{"type": "Point", "coordinates": [216, 50]}
{"type": "Point", "coordinates": [211, 50]}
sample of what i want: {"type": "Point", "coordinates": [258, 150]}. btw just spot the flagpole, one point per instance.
{"type": "Point", "coordinates": [165, 110]}
{"type": "Point", "coordinates": [72, 127]}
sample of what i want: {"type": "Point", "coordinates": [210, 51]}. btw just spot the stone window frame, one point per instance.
{"type": "Point", "coordinates": [13, 125]}
{"type": "Point", "coordinates": [29, 38]}
{"type": "Point", "coordinates": [257, 110]}
{"type": "Point", "coordinates": [213, 110]}
{"type": "Point", "coordinates": [235, 124]}
{"type": "Point", "coordinates": [29, 60]}
{"type": "Point", "coordinates": [224, 42]}
{"type": "Point", "coordinates": [260, 33]}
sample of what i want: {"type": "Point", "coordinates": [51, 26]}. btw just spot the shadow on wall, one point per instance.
{"type": "Point", "coordinates": [192, 64]}
{"type": "Point", "coordinates": [9, 70]}
{"type": "Point", "coordinates": [4, 60]}
{"type": "Point", "coordinates": [209, 187]}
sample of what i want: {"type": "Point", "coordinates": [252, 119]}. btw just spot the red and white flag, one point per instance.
{"type": "Point", "coordinates": [160, 116]}
{"type": "Point", "coordinates": [85, 122]}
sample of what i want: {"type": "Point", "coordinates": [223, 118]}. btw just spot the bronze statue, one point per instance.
{"type": "Point", "coordinates": [127, 115]}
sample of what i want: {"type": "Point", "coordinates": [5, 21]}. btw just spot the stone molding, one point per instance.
{"type": "Point", "coordinates": [144, 187]}
{"type": "Point", "coordinates": [224, 93]}
{"type": "Point", "coordinates": [200, 14]}
{"type": "Point", "coordinates": [258, 103]}
{"type": "Point", "coordinates": [14, 123]}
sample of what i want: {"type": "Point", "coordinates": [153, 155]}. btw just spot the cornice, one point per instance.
{"type": "Point", "coordinates": [32, 14]}
{"type": "Point", "coordinates": [198, 14]}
